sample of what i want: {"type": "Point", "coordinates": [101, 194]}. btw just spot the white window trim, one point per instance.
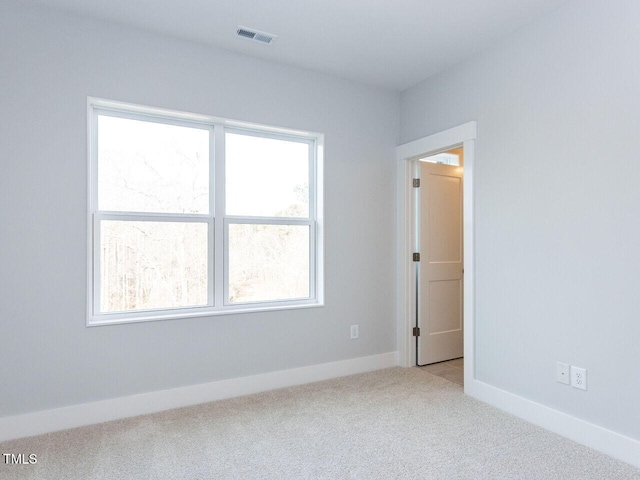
{"type": "Point", "coordinates": [216, 220]}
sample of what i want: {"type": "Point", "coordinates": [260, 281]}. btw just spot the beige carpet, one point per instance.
{"type": "Point", "coordinates": [390, 424]}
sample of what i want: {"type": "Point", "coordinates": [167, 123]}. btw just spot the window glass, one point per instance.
{"type": "Point", "coordinates": [146, 166]}
{"type": "Point", "coordinates": [268, 262]}
{"type": "Point", "coordinates": [266, 177]}
{"type": "Point", "coordinates": [151, 265]}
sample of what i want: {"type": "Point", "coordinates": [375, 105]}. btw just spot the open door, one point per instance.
{"type": "Point", "coordinates": [441, 264]}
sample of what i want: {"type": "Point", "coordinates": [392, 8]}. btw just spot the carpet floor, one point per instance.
{"type": "Point", "coordinates": [396, 423]}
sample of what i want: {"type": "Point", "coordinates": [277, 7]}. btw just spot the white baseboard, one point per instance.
{"type": "Point", "coordinates": [606, 441]}
{"type": "Point", "coordinates": [46, 421]}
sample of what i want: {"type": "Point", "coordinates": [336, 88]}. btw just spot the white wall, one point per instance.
{"type": "Point", "coordinates": [49, 63]}
{"type": "Point", "coordinates": [557, 204]}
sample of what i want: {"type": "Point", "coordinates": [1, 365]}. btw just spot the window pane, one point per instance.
{"type": "Point", "coordinates": [268, 262]}
{"type": "Point", "coordinates": [146, 265]}
{"type": "Point", "coordinates": [266, 177]}
{"type": "Point", "coordinates": [152, 167]}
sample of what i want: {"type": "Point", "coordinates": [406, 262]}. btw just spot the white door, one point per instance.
{"type": "Point", "coordinates": [440, 269]}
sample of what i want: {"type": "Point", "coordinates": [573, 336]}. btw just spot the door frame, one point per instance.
{"type": "Point", "coordinates": [464, 135]}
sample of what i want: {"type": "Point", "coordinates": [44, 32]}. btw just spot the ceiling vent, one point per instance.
{"type": "Point", "coordinates": [255, 35]}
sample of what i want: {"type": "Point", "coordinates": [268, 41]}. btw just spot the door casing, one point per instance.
{"type": "Point", "coordinates": [464, 135]}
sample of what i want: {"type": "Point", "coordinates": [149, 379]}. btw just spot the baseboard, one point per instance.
{"type": "Point", "coordinates": [46, 421]}
{"type": "Point", "coordinates": [606, 441]}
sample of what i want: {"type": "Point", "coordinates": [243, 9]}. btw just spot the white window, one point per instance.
{"type": "Point", "coordinates": [194, 215]}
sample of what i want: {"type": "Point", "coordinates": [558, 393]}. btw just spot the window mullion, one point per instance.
{"type": "Point", "coordinates": [218, 211]}
{"type": "Point", "coordinates": [268, 220]}
{"type": "Point", "coordinates": [152, 217]}
{"type": "Point", "coordinates": [211, 261]}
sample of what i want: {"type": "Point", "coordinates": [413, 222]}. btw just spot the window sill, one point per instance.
{"type": "Point", "coordinates": [154, 316]}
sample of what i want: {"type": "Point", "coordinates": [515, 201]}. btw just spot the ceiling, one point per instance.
{"type": "Point", "coordinates": [393, 44]}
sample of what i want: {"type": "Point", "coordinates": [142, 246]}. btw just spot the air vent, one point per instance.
{"type": "Point", "coordinates": [255, 35]}
{"type": "Point", "coordinates": [246, 33]}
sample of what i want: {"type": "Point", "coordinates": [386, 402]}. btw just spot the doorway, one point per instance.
{"type": "Point", "coordinates": [440, 266]}
{"type": "Point", "coordinates": [407, 294]}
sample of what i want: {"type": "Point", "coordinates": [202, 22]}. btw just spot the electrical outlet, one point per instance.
{"type": "Point", "coordinates": [579, 378]}
{"type": "Point", "coordinates": [354, 332]}
{"type": "Point", "coordinates": [562, 373]}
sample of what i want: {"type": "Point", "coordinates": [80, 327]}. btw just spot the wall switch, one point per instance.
{"type": "Point", "coordinates": [354, 332]}
{"type": "Point", "coordinates": [579, 378]}
{"type": "Point", "coordinates": [562, 373]}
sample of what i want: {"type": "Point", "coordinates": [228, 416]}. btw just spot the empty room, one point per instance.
{"type": "Point", "coordinates": [319, 240]}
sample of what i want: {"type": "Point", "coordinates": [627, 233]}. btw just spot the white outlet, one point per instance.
{"type": "Point", "coordinates": [562, 373]}
{"type": "Point", "coordinates": [579, 378]}
{"type": "Point", "coordinates": [354, 332]}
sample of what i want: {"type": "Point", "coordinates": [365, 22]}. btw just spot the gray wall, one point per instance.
{"type": "Point", "coordinates": [557, 204]}
{"type": "Point", "coordinates": [49, 63]}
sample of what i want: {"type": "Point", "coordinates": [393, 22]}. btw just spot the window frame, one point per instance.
{"type": "Point", "coordinates": [216, 219]}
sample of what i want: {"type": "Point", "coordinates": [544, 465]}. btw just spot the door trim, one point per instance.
{"type": "Point", "coordinates": [464, 135]}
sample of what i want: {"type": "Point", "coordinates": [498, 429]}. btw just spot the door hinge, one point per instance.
{"type": "Point", "coordinates": [416, 331]}
{"type": "Point", "coordinates": [416, 182]}
{"type": "Point", "coordinates": [416, 257]}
